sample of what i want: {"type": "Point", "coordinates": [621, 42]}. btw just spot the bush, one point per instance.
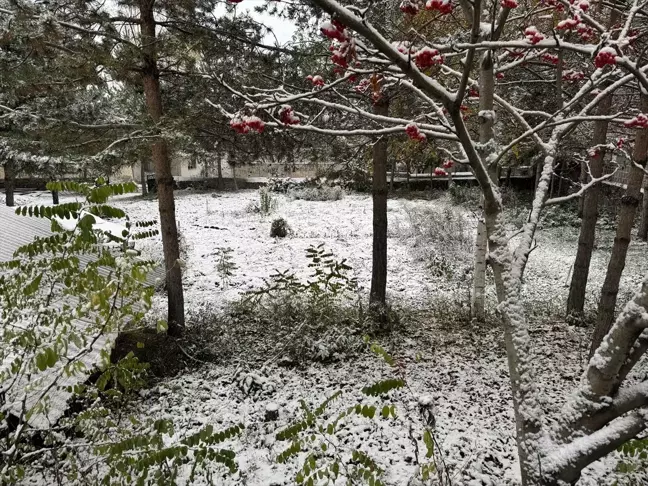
{"type": "Point", "coordinates": [266, 205]}
{"type": "Point", "coordinates": [443, 237]}
{"type": "Point", "coordinates": [321, 193]}
{"type": "Point", "coordinates": [465, 195]}
{"type": "Point", "coordinates": [279, 228]}
{"type": "Point", "coordinates": [289, 320]}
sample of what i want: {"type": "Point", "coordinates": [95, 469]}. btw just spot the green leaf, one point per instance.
{"type": "Point", "coordinates": [162, 326]}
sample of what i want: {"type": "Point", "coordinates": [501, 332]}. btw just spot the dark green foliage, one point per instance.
{"type": "Point", "coordinates": [279, 228]}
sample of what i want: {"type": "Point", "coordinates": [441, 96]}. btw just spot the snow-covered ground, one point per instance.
{"type": "Point", "coordinates": [462, 368]}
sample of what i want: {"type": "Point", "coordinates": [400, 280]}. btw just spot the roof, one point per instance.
{"type": "Point", "coordinates": [16, 231]}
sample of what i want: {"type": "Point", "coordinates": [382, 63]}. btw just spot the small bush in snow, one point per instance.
{"type": "Point", "coordinates": [295, 321]}
{"type": "Point", "coordinates": [321, 193]}
{"type": "Point", "coordinates": [464, 195]}
{"type": "Point", "coordinates": [266, 205]}
{"type": "Point", "coordinates": [279, 228]}
{"type": "Point", "coordinates": [443, 239]}
{"type": "Point", "coordinates": [225, 265]}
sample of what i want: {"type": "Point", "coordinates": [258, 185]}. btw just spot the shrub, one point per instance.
{"type": "Point", "coordinates": [465, 195]}
{"type": "Point", "coordinates": [225, 265]}
{"type": "Point", "coordinates": [266, 205]}
{"type": "Point", "coordinates": [443, 238]}
{"type": "Point", "coordinates": [290, 320]}
{"type": "Point", "coordinates": [320, 193]}
{"type": "Point", "coordinates": [279, 228]}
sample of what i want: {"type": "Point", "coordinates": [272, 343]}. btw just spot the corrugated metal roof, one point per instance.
{"type": "Point", "coordinates": [16, 231]}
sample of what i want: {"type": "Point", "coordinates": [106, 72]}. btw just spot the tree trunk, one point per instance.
{"type": "Point", "coordinates": [486, 134]}
{"type": "Point", "coordinates": [234, 176]}
{"type": "Point", "coordinates": [143, 178]}
{"type": "Point", "coordinates": [220, 173]}
{"type": "Point", "coordinates": [477, 304]}
{"type": "Point", "coordinates": [643, 225]}
{"type": "Point", "coordinates": [578, 286]}
{"type": "Point", "coordinates": [629, 204]}
{"type": "Point", "coordinates": [55, 197]}
{"type": "Point", "coordinates": [10, 182]}
{"type": "Point", "coordinates": [377, 295]}
{"type": "Point", "coordinates": [162, 163]}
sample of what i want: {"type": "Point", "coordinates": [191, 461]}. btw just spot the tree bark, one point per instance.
{"type": "Point", "coordinates": [629, 204]}
{"type": "Point", "coordinates": [162, 164]}
{"type": "Point", "coordinates": [377, 295]}
{"type": "Point", "coordinates": [55, 197]}
{"type": "Point", "coordinates": [10, 182]}
{"type": "Point", "coordinates": [643, 225]}
{"type": "Point", "coordinates": [578, 286]}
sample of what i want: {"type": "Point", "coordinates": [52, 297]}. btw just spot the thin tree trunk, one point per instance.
{"type": "Point", "coordinates": [55, 197]}
{"type": "Point", "coordinates": [377, 295]}
{"type": "Point", "coordinates": [629, 204]}
{"type": "Point", "coordinates": [643, 225]}
{"type": "Point", "coordinates": [10, 182]}
{"type": "Point", "coordinates": [234, 177]}
{"type": "Point", "coordinates": [477, 304]}
{"type": "Point", "coordinates": [578, 286]}
{"type": "Point", "coordinates": [143, 178]}
{"type": "Point", "coordinates": [162, 163]}
{"type": "Point", "coordinates": [486, 134]}
{"type": "Point", "coordinates": [220, 173]}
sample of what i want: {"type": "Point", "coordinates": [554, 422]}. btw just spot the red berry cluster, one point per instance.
{"type": "Point", "coordinates": [550, 58]}
{"type": "Point", "coordinates": [573, 76]}
{"type": "Point", "coordinates": [427, 57]}
{"type": "Point", "coordinates": [442, 6]}
{"type": "Point", "coordinates": [317, 80]}
{"type": "Point", "coordinates": [287, 116]}
{"type": "Point", "coordinates": [438, 171]}
{"type": "Point", "coordinates": [448, 164]}
{"type": "Point", "coordinates": [414, 133]}
{"type": "Point", "coordinates": [335, 30]}
{"type": "Point", "coordinates": [247, 123]}
{"type": "Point", "coordinates": [606, 56]}
{"type": "Point", "coordinates": [639, 121]}
{"type": "Point", "coordinates": [533, 35]}
{"type": "Point", "coordinates": [568, 24]}
{"type": "Point", "coordinates": [409, 7]}
{"type": "Point", "coordinates": [509, 3]}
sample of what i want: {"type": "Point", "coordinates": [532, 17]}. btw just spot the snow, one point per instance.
{"type": "Point", "coordinates": [460, 369]}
